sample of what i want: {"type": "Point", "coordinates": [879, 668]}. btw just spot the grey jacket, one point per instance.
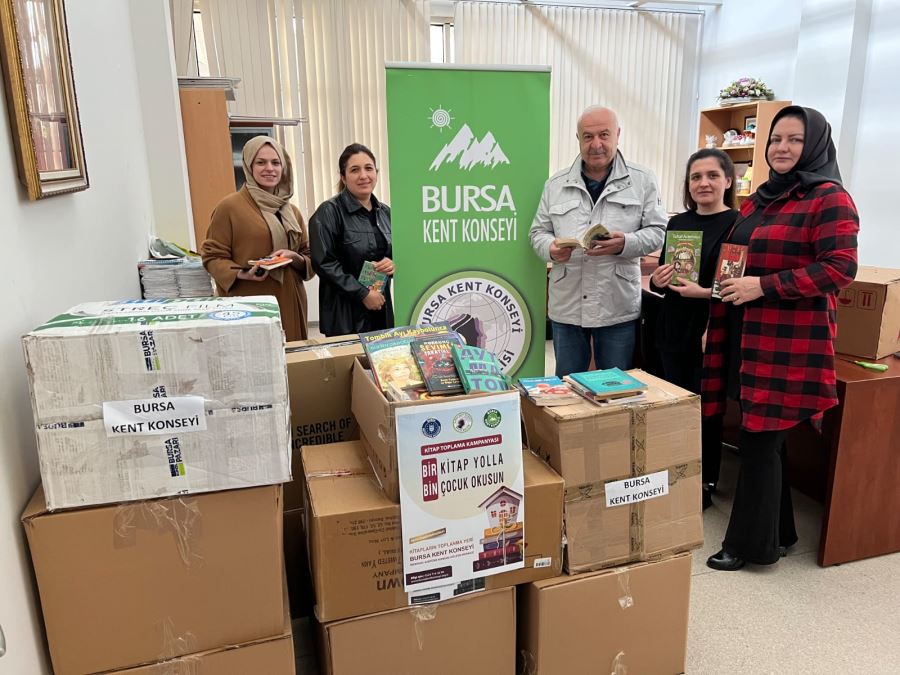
{"type": "Point", "coordinates": [604, 290]}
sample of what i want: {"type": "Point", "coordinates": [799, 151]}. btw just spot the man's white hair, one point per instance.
{"type": "Point", "coordinates": [597, 108]}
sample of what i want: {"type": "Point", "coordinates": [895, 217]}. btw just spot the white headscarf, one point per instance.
{"type": "Point", "coordinates": [287, 232]}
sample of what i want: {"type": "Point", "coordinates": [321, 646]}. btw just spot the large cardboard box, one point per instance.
{"type": "Point", "coordinates": [122, 585]}
{"type": "Point", "coordinates": [296, 562]}
{"type": "Point", "coordinates": [868, 314]}
{"type": "Point", "coordinates": [473, 634]}
{"type": "Point", "coordinates": [631, 454]}
{"type": "Point", "coordinates": [143, 399]}
{"type": "Point", "coordinates": [319, 374]}
{"type": "Point", "coordinates": [272, 656]}
{"type": "Point", "coordinates": [354, 533]}
{"type": "Point", "coordinates": [630, 619]}
{"type": "Point", "coordinates": [377, 424]}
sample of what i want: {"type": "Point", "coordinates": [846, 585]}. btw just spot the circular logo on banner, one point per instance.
{"type": "Point", "coordinates": [431, 427]}
{"type": "Point", "coordinates": [492, 418]}
{"type": "Point", "coordinates": [462, 422]}
{"type": "Point", "coordinates": [487, 310]}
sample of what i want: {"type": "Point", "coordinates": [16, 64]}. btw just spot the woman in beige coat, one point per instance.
{"type": "Point", "coordinates": [259, 221]}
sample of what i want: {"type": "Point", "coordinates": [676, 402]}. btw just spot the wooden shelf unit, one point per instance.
{"type": "Point", "coordinates": [716, 121]}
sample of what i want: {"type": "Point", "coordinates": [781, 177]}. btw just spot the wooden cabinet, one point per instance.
{"type": "Point", "coordinates": [716, 121]}
{"type": "Point", "coordinates": [207, 147]}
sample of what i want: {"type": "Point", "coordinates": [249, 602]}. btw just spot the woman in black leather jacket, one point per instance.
{"type": "Point", "coordinates": [345, 231]}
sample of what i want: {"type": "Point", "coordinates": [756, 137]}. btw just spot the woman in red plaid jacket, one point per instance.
{"type": "Point", "coordinates": [770, 341]}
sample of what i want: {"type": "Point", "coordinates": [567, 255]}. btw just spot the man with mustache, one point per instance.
{"type": "Point", "coordinates": [595, 293]}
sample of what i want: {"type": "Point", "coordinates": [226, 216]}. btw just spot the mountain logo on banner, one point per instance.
{"type": "Point", "coordinates": [469, 152]}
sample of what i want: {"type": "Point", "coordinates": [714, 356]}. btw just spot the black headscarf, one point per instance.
{"type": "Point", "coordinates": [817, 163]}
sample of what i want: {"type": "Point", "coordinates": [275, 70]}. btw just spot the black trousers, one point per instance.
{"type": "Point", "coordinates": [711, 431]}
{"type": "Point", "coordinates": [683, 368]}
{"type": "Point", "coordinates": [762, 516]}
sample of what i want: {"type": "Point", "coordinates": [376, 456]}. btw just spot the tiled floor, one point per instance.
{"type": "Point", "coordinates": [792, 618]}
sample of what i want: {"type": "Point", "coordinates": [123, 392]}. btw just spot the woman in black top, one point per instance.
{"type": "Point", "coordinates": [345, 231]}
{"type": "Point", "coordinates": [709, 198]}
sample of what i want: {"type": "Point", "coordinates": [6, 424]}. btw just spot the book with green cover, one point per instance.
{"type": "Point", "coordinates": [683, 252]}
{"type": "Point", "coordinates": [609, 383]}
{"type": "Point", "coordinates": [478, 369]}
{"type": "Point", "coordinates": [435, 360]}
{"type": "Point", "coordinates": [371, 278]}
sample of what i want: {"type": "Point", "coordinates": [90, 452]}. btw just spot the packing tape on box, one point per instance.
{"type": "Point", "coordinates": [618, 665]}
{"type": "Point", "coordinates": [626, 600]}
{"type": "Point", "coordinates": [422, 614]}
{"type": "Point", "coordinates": [337, 473]}
{"type": "Point", "coordinates": [326, 358]}
{"type": "Point", "coordinates": [527, 663]}
{"type": "Point", "coordinates": [179, 517]}
{"type": "Point", "coordinates": [178, 645]}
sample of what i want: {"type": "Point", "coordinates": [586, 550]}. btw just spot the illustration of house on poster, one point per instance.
{"type": "Point", "coordinates": [503, 541]}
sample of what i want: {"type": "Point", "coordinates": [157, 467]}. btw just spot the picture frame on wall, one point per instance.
{"type": "Point", "coordinates": [750, 123]}
{"type": "Point", "coordinates": [40, 96]}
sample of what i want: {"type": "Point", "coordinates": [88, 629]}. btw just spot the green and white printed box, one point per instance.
{"type": "Point", "coordinates": [148, 398]}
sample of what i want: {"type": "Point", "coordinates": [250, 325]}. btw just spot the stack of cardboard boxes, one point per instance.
{"type": "Point", "coordinates": [149, 415]}
{"type": "Point", "coordinates": [319, 373]}
{"type": "Point", "coordinates": [368, 623]}
{"type": "Point", "coordinates": [632, 514]}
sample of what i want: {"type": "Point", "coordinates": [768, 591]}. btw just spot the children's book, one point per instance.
{"type": "Point", "coordinates": [731, 264]}
{"type": "Point", "coordinates": [594, 233]}
{"type": "Point", "coordinates": [271, 262]}
{"type": "Point", "coordinates": [478, 369]}
{"type": "Point", "coordinates": [683, 252]}
{"type": "Point", "coordinates": [548, 391]}
{"type": "Point", "coordinates": [371, 278]}
{"type": "Point", "coordinates": [605, 384]}
{"type": "Point", "coordinates": [390, 356]}
{"type": "Point", "coordinates": [435, 359]}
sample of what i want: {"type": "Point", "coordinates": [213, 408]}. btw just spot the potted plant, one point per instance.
{"type": "Point", "coordinates": [744, 90]}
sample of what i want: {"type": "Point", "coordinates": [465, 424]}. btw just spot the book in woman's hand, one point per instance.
{"type": "Point", "coordinates": [731, 264]}
{"type": "Point", "coordinates": [270, 262]}
{"type": "Point", "coordinates": [372, 278]}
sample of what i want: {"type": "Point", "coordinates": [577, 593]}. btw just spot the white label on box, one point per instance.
{"type": "Point", "coordinates": [542, 562]}
{"type": "Point", "coordinates": [154, 416]}
{"type": "Point", "coordinates": [637, 489]}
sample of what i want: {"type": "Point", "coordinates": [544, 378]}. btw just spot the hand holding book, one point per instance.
{"type": "Point", "coordinates": [741, 290]}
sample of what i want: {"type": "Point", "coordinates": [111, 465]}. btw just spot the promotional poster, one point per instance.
{"type": "Point", "coordinates": [467, 171]}
{"type": "Point", "coordinates": [461, 490]}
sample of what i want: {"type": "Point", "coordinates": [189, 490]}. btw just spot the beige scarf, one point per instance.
{"type": "Point", "coordinates": [287, 232]}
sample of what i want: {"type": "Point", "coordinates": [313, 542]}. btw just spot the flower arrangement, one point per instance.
{"type": "Point", "coordinates": [747, 87]}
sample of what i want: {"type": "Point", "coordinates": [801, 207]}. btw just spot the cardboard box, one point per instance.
{"type": "Point", "coordinates": [272, 655]}
{"type": "Point", "coordinates": [377, 425]}
{"type": "Point", "coordinates": [597, 448]}
{"type": "Point", "coordinates": [296, 563]}
{"type": "Point", "coordinates": [128, 584]}
{"type": "Point", "coordinates": [319, 375]}
{"type": "Point", "coordinates": [473, 634]}
{"type": "Point", "coordinates": [868, 314]}
{"type": "Point", "coordinates": [143, 399]}
{"type": "Point", "coordinates": [354, 540]}
{"type": "Point", "coordinates": [630, 619]}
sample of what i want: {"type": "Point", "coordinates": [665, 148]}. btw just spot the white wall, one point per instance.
{"type": "Point", "coordinates": [59, 252]}
{"type": "Point", "coordinates": [754, 39]}
{"type": "Point", "coordinates": [876, 166]}
{"type": "Point", "coordinates": [841, 57]}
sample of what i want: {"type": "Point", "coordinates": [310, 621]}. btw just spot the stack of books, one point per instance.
{"type": "Point", "coordinates": [420, 362]}
{"type": "Point", "coordinates": [547, 391]}
{"type": "Point", "coordinates": [605, 386]}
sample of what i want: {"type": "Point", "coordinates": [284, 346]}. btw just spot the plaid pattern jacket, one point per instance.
{"type": "Point", "coordinates": [804, 252]}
